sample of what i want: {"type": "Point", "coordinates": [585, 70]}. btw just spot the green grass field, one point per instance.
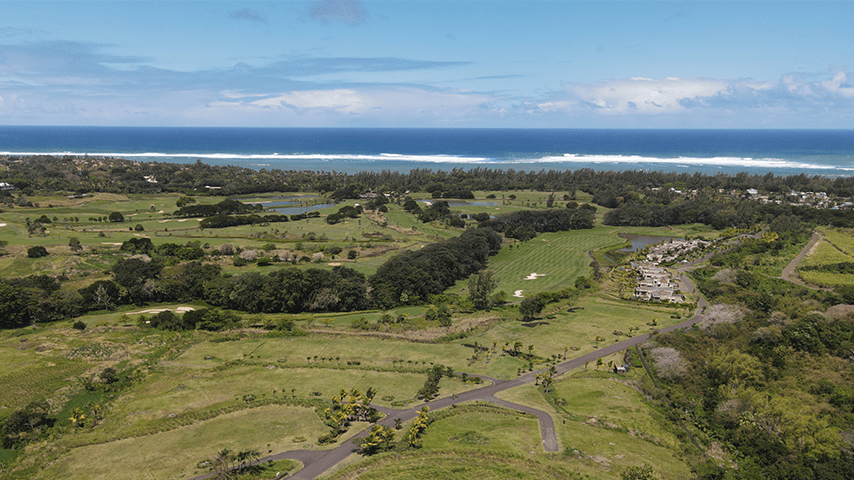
{"type": "Point", "coordinates": [176, 453]}
{"type": "Point", "coordinates": [190, 400]}
{"type": "Point", "coordinates": [829, 252]}
{"type": "Point", "coordinates": [604, 426]}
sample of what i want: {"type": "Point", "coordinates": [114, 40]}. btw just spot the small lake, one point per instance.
{"type": "Point", "coordinates": [275, 201]}
{"type": "Point", "coordinates": [301, 209]}
{"type": "Point", "coordinates": [641, 241]}
{"type": "Point", "coordinates": [463, 204]}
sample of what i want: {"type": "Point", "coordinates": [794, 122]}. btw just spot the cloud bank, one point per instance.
{"type": "Point", "coordinates": [61, 82]}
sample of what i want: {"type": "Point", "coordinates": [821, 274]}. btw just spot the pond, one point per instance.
{"type": "Point", "coordinates": [641, 241]}
{"type": "Point", "coordinates": [302, 209]}
{"type": "Point", "coordinates": [463, 204]}
{"type": "Point", "coordinates": [276, 201]}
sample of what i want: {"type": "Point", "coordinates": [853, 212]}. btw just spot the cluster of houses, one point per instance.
{"type": "Point", "coordinates": [656, 284]}
{"type": "Point", "coordinates": [669, 251]}
{"type": "Point", "coordinates": [803, 199]}
{"type": "Point", "coordinates": [808, 199]}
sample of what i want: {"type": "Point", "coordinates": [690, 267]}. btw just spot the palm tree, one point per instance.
{"type": "Point", "coordinates": [77, 417]}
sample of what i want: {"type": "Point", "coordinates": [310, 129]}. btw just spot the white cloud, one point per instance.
{"type": "Point", "coordinates": [839, 85]}
{"type": "Point", "coordinates": [644, 95]}
{"type": "Point", "coordinates": [343, 100]}
{"type": "Point", "coordinates": [389, 99]}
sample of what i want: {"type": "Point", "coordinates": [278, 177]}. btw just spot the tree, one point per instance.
{"type": "Point", "coordinates": [531, 306]}
{"type": "Point", "coordinates": [481, 285]}
{"type": "Point", "coordinates": [25, 425]}
{"type": "Point", "coordinates": [377, 441]}
{"type": "Point", "coordinates": [440, 314]}
{"type": "Point", "coordinates": [109, 376]}
{"type": "Point", "coordinates": [116, 217]}
{"type": "Point", "coordinates": [184, 201]}
{"type": "Point", "coordinates": [13, 307]}
{"type": "Point", "coordinates": [37, 252]}
{"type": "Point", "coordinates": [74, 244]}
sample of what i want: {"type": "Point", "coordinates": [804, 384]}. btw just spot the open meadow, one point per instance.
{"type": "Point", "coordinates": [191, 394]}
{"type": "Point", "coordinates": [824, 265]}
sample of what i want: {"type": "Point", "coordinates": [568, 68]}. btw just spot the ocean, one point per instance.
{"type": "Point", "coordinates": [350, 150]}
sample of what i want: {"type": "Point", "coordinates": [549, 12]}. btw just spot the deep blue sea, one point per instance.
{"type": "Point", "coordinates": [782, 152]}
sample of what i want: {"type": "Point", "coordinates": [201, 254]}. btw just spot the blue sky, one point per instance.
{"type": "Point", "coordinates": [523, 64]}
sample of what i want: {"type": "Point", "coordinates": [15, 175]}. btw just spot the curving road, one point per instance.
{"type": "Point", "coordinates": [318, 462]}
{"type": "Point", "coordinates": [315, 466]}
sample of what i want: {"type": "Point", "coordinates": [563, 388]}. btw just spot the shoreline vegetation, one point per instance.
{"type": "Point", "coordinates": [144, 307]}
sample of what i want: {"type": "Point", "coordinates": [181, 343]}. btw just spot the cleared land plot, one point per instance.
{"type": "Point", "coordinates": [609, 423]}
{"type": "Point", "coordinates": [577, 326]}
{"type": "Point", "coordinates": [827, 253]}
{"type": "Point", "coordinates": [181, 390]}
{"type": "Point", "coordinates": [371, 352]}
{"type": "Point", "coordinates": [476, 443]}
{"type": "Point", "coordinates": [176, 453]}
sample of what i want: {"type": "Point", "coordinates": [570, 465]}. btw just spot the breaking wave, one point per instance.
{"type": "Point", "coordinates": [639, 161]}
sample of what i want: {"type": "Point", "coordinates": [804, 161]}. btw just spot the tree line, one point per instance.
{"type": "Point", "coordinates": [49, 174]}
{"type": "Point", "coordinates": [408, 278]}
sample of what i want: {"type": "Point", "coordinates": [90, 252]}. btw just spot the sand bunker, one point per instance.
{"type": "Point", "coordinates": [534, 276]}
{"type": "Point", "coordinates": [2, 224]}
{"type": "Point", "coordinates": [518, 294]}
{"type": "Point", "coordinates": [110, 243]}
{"type": "Point", "coordinates": [334, 264]}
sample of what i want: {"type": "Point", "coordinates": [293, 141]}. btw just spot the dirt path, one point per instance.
{"type": "Point", "coordinates": [788, 273]}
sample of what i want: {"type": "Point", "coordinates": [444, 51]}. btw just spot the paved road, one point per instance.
{"type": "Point", "coordinates": [318, 462]}
{"type": "Point", "coordinates": [330, 458]}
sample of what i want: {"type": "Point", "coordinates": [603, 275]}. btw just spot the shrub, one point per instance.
{"type": "Point", "coordinates": [116, 217]}
{"type": "Point", "coordinates": [37, 252]}
{"type": "Point", "coordinates": [78, 325]}
{"type": "Point", "coordinates": [669, 362]}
